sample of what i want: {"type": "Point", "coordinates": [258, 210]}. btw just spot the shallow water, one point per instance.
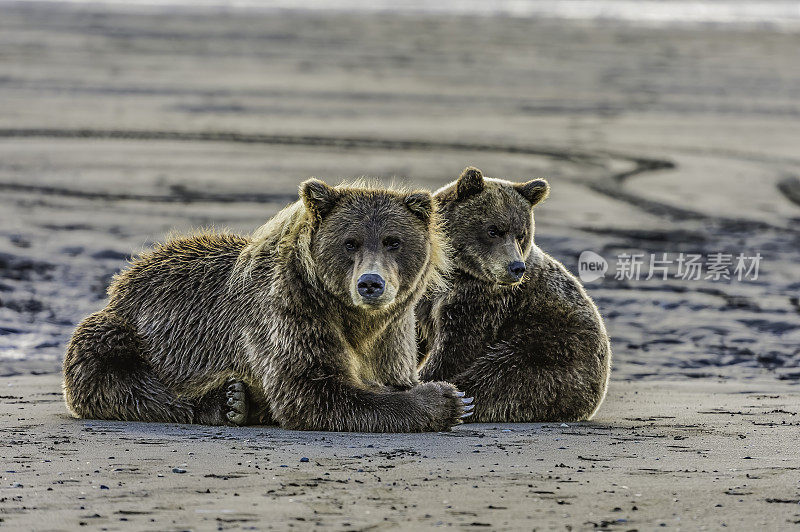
{"type": "Point", "coordinates": [776, 14]}
{"type": "Point", "coordinates": [781, 13]}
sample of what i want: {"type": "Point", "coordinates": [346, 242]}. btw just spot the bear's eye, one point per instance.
{"type": "Point", "coordinates": [351, 245]}
{"type": "Point", "coordinates": [391, 243]}
{"type": "Point", "coordinates": [493, 232]}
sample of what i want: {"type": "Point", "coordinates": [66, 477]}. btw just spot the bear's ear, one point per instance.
{"type": "Point", "coordinates": [470, 183]}
{"type": "Point", "coordinates": [319, 197]}
{"type": "Point", "coordinates": [421, 204]}
{"type": "Point", "coordinates": [534, 191]}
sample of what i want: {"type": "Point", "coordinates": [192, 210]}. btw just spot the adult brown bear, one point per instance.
{"type": "Point", "coordinates": [515, 330]}
{"type": "Point", "coordinates": [311, 317]}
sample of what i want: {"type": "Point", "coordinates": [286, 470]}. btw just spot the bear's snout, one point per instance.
{"type": "Point", "coordinates": [371, 286]}
{"type": "Point", "coordinates": [517, 269]}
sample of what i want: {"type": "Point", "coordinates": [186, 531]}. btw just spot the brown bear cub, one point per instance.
{"type": "Point", "coordinates": [309, 323]}
{"type": "Point", "coordinates": [516, 330]}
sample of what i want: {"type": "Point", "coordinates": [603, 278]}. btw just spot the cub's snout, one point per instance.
{"type": "Point", "coordinates": [371, 286]}
{"type": "Point", "coordinates": [374, 284]}
{"type": "Point", "coordinates": [516, 269]}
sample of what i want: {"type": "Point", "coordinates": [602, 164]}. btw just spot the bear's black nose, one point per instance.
{"type": "Point", "coordinates": [370, 285]}
{"type": "Point", "coordinates": [517, 269]}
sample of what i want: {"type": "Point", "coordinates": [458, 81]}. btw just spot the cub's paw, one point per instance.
{"type": "Point", "coordinates": [236, 395]}
{"type": "Point", "coordinates": [446, 406]}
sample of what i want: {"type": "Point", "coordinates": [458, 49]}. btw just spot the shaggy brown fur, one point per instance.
{"type": "Point", "coordinates": [529, 349]}
{"type": "Point", "coordinates": [283, 316]}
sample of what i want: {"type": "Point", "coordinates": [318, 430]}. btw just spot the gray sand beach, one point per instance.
{"type": "Point", "coordinates": [121, 125]}
{"type": "Point", "coordinates": [680, 455]}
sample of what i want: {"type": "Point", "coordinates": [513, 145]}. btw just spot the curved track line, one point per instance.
{"type": "Point", "coordinates": [183, 195]}
{"type": "Point", "coordinates": [790, 188]}
{"type": "Point", "coordinates": [311, 140]}
{"type": "Point", "coordinates": [611, 186]}
{"type": "Point", "coordinates": [180, 195]}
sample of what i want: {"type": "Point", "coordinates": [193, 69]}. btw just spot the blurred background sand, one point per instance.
{"type": "Point", "coordinates": [663, 127]}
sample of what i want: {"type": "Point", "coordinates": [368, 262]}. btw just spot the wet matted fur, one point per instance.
{"type": "Point", "coordinates": [190, 321]}
{"type": "Point", "coordinates": [529, 349]}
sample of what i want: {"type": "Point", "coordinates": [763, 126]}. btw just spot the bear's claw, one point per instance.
{"type": "Point", "coordinates": [467, 408]}
{"type": "Point", "coordinates": [236, 402]}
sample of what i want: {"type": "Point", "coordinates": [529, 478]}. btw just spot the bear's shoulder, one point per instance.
{"type": "Point", "coordinates": [194, 259]}
{"type": "Point", "coordinates": [553, 289]}
{"type": "Point", "coordinates": [186, 251]}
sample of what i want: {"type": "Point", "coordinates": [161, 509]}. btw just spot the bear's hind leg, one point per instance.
{"type": "Point", "coordinates": [106, 376]}
{"type": "Point", "coordinates": [510, 388]}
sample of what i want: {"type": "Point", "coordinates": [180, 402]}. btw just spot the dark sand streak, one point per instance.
{"type": "Point", "coordinates": [587, 157]}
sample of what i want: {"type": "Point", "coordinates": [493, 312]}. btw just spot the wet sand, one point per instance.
{"type": "Point", "coordinates": [681, 455]}
{"type": "Point", "coordinates": [118, 127]}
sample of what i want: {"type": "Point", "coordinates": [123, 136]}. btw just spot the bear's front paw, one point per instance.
{"type": "Point", "coordinates": [445, 404]}
{"type": "Point", "coordinates": [236, 395]}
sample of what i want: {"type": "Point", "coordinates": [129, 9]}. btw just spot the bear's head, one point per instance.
{"type": "Point", "coordinates": [371, 247]}
{"type": "Point", "coordinates": [489, 223]}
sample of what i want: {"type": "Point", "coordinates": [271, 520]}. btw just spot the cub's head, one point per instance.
{"type": "Point", "coordinates": [371, 247]}
{"type": "Point", "coordinates": [490, 224]}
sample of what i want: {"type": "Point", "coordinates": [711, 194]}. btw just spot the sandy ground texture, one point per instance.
{"type": "Point", "coordinates": [681, 455]}
{"type": "Point", "coordinates": [120, 126]}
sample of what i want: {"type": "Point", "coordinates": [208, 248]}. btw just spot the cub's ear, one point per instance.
{"type": "Point", "coordinates": [470, 183]}
{"type": "Point", "coordinates": [534, 191]}
{"type": "Point", "coordinates": [319, 197]}
{"type": "Point", "coordinates": [421, 204]}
